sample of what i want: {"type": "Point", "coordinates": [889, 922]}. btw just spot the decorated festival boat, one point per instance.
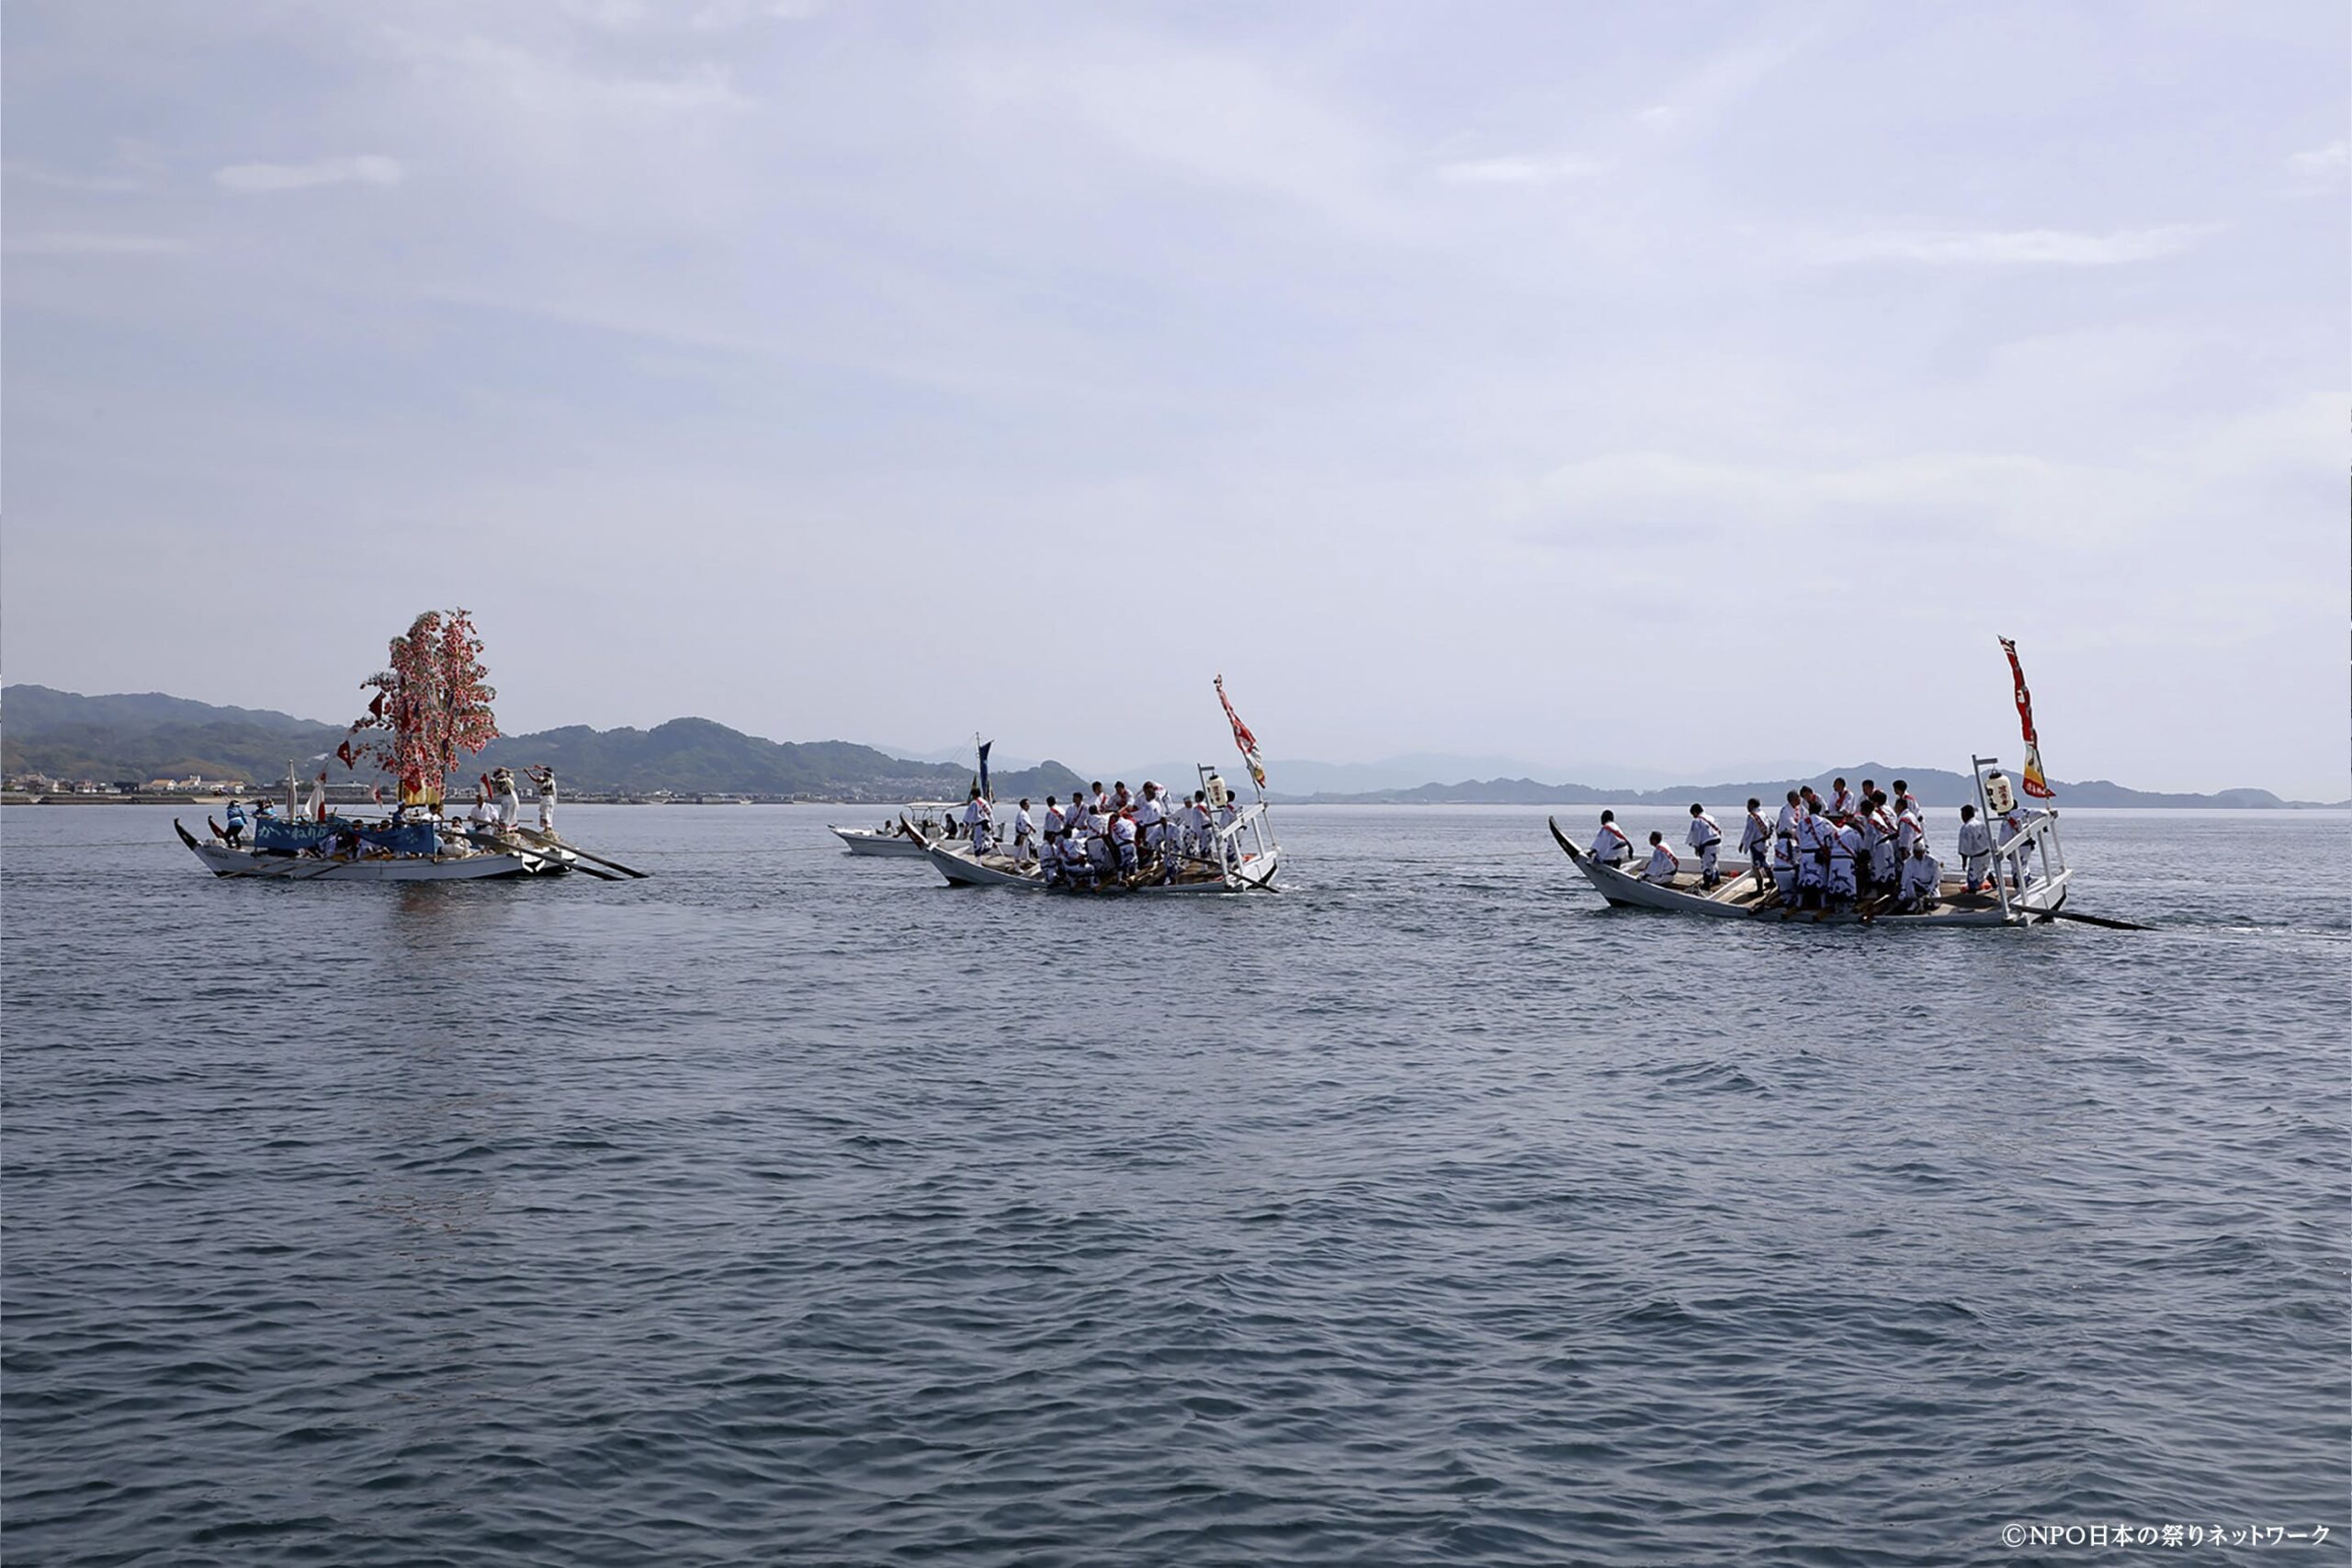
{"type": "Point", "coordinates": [2025, 879]}
{"type": "Point", "coordinates": [2021, 891]}
{"type": "Point", "coordinates": [1239, 853]}
{"type": "Point", "coordinates": [431, 707]}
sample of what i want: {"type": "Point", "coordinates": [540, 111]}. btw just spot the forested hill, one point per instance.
{"type": "Point", "coordinates": [66, 736]}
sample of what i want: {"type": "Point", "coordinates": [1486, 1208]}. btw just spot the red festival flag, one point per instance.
{"type": "Point", "coordinates": [1241, 737]}
{"type": "Point", "coordinates": [2036, 784]}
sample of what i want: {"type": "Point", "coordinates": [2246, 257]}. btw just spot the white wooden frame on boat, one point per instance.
{"type": "Point", "coordinates": [2018, 895]}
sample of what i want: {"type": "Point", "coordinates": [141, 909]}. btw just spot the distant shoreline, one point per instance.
{"type": "Point", "coordinates": [14, 797]}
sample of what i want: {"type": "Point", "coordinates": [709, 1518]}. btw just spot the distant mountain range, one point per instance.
{"type": "Point", "coordinates": [1934, 786]}
{"type": "Point", "coordinates": [64, 735]}
{"type": "Point", "coordinates": [121, 739]}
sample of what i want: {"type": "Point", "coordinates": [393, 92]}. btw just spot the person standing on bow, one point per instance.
{"type": "Point", "coordinates": [233, 834]}
{"type": "Point", "coordinates": [544, 778]}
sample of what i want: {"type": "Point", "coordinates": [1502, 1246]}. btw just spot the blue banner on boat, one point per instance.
{"type": "Point", "coordinates": [275, 835]}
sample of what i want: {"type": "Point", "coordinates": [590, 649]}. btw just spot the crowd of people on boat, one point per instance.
{"type": "Point", "coordinates": [1099, 835]}
{"type": "Point", "coordinates": [497, 807]}
{"type": "Point", "coordinates": [1864, 849]}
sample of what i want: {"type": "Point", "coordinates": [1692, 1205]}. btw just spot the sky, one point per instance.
{"type": "Point", "coordinates": [1657, 389]}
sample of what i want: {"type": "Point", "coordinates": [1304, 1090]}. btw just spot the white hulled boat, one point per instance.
{"type": "Point", "coordinates": [927, 818]}
{"type": "Point", "coordinates": [342, 850]}
{"type": "Point", "coordinates": [2012, 900]}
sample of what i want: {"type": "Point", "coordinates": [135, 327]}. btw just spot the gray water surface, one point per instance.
{"type": "Point", "coordinates": [792, 1207]}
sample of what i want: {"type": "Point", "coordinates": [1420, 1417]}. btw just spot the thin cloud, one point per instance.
{"type": "Point", "coordinates": [64, 179]}
{"type": "Point", "coordinates": [96, 244]}
{"type": "Point", "coordinates": [1521, 170]}
{"type": "Point", "coordinates": [2009, 247]}
{"type": "Point", "coordinates": [367, 169]}
{"type": "Point", "coordinates": [2323, 162]}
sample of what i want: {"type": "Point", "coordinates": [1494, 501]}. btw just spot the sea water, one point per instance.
{"type": "Point", "coordinates": [795, 1207]}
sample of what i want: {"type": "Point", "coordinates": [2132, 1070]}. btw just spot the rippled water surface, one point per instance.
{"type": "Point", "coordinates": [789, 1207]}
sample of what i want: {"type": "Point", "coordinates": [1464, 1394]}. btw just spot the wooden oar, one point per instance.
{"type": "Point", "coordinates": [2094, 920]}
{"type": "Point", "coordinates": [501, 846]}
{"type": "Point", "coordinates": [532, 835]}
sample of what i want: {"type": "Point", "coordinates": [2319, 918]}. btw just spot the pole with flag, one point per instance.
{"type": "Point", "coordinates": [2034, 782]}
{"type": "Point", "coordinates": [986, 793]}
{"type": "Point", "coordinates": [1242, 737]}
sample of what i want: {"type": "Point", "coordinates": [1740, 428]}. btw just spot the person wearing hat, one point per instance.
{"type": "Point", "coordinates": [503, 797]}
{"type": "Point", "coordinates": [544, 778]}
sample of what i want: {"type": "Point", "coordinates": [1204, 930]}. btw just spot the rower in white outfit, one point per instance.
{"type": "Point", "coordinates": [1025, 835]}
{"type": "Point", "coordinates": [1611, 846]}
{"type": "Point", "coordinates": [1976, 849]}
{"type": "Point", "coordinates": [1756, 843]}
{"type": "Point", "coordinates": [1845, 845]}
{"type": "Point", "coordinates": [1923, 877]}
{"type": "Point", "coordinates": [503, 797]}
{"type": "Point", "coordinates": [1662, 865]}
{"type": "Point", "coordinates": [1784, 869]}
{"type": "Point", "coordinates": [1056, 825]}
{"type": "Point", "coordinates": [1708, 839]}
{"type": "Point", "coordinates": [980, 824]}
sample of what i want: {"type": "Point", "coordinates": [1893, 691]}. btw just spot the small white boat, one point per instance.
{"type": "Point", "coordinates": [452, 861]}
{"type": "Point", "coordinates": [1740, 897]}
{"type": "Point", "coordinates": [892, 839]}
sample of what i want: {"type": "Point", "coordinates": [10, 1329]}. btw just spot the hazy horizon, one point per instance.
{"type": "Point", "coordinates": [1513, 380]}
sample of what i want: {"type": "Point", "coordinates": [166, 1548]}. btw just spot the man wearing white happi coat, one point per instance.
{"type": "Point", "coordinates": [1784, 868]}
{"type": "Point", "coordinates": [1025, 835]}
{"type": "Point", "coordinates": [1149, 819]}
{"type": "Point", "coordinates": [2021, 867]}
{"type": "Point", "coordinates": [1885, 866]}
{"type": "Point", "coordinates": [1785, 829]}
{"type": "Point", "coordinates": [979, 825]}
{"type": "Point", "coordinates": [1923, 876]}
{"type": "Point", "coordinates": [1844, 844]}
{"type": "Point", "coordinates": [1756, 843]}
{"type": "Point", "coordinates": [1123, 835]}
{"type": "Point", "coordinates": [1662, 865]}
{"type": "Point", "coordinates": [1055, 823]}
{"type": "Point", "coordinates": [1708, 839]}
{"type": "Point", "coordinates": [1197, 827]}
{"type": "Point", "coordinates": [1611, 846]}
{"type": "Point", "coordinates": [1813, 854]}
{"type": "Point", "coordinates": [1975, 847]}
{"type": "Point", "coordinates": [1841, 803]}
{"type": "Point", "coordinates": [503, 797]}
{"type": "Point", "coordinates": [1909, 832]}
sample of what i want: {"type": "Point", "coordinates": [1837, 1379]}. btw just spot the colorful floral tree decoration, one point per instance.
{"type": "Point", "coordinates": [431, 708]}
